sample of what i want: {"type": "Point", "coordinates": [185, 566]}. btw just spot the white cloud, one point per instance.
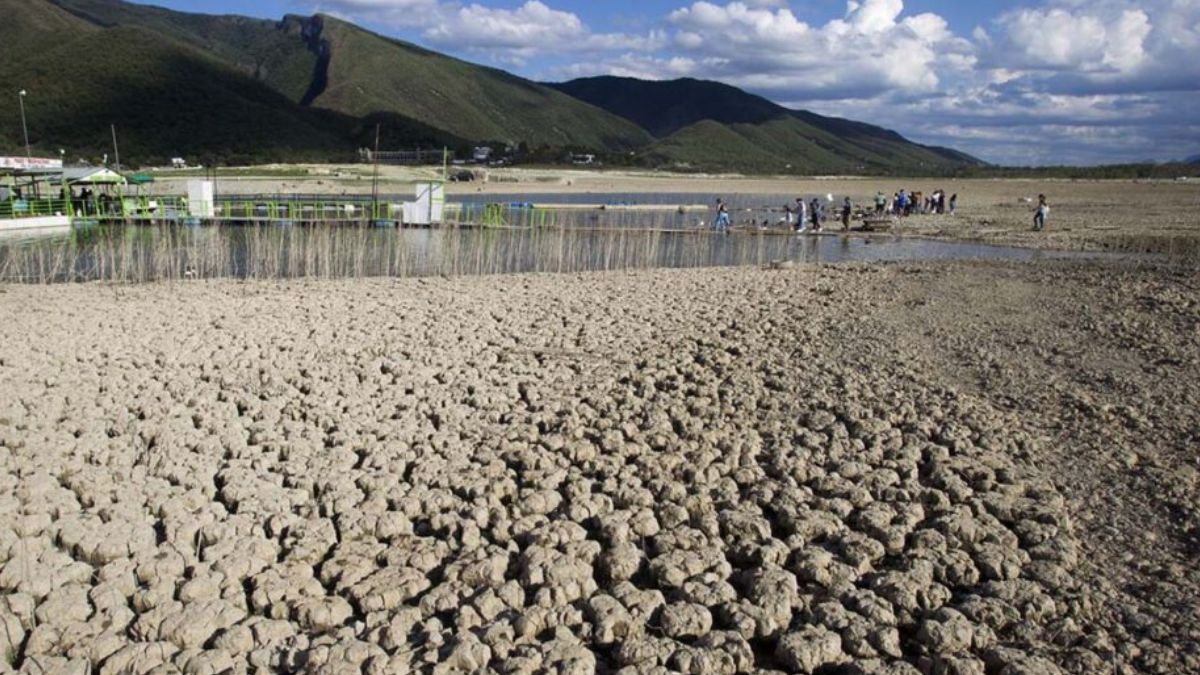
{"type": "Point", "coordinates": [871, 50]}
{"type": "Point", "coordinates": [1047, 81]}
{"type": "Point", "coordinates": [1061, 39]}
{"type": "Point", "coordinates": [511, 36]}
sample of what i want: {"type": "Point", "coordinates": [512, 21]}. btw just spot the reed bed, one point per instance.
{"type": "Point", "coordinates": [147, 253]}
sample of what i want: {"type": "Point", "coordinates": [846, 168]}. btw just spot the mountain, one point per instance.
{"type": "Point", "coordinates": [327, 63]}
{"type": "Point", "coordinates": [232, 89]}
{"type": "Point", "coordinates": [167, 98]}
{"type": "Point", "coordinates": [684, 113]}
{"type": "Point", "coordinates": [1194, 159]}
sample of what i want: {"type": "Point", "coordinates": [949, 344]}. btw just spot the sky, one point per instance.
{"type": "Point", "coordinates": [1024, 82]}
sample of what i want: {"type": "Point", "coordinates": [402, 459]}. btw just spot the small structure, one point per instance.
{"type": "Point", "coordinates": [481, 154]}
{"type": "Point", "coordinates": [429, 207]}
{"type": "Point", "coordinates": [178, 163]}
{"type": "Point", "coordinates": [91, 177]}
{"type": "Point", "coordinates": [22, 204]}
{"type": "Point", "coordinates": [200, 199]}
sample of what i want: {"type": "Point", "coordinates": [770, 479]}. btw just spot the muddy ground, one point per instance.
{"type": "Point", "coordinates": [944, 468]}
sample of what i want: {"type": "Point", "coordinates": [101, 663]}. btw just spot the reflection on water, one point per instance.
{"type": "Point", "coordinates": [143, 253]}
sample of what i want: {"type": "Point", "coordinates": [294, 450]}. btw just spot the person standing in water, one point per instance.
{"type": "Point", "coordinates": [801, 214]}
{"type": "Point", "coordinates": [721, 224]}
{"type": "Point", "coordinates": [815, 213]}
{"type": "Point", "coordinates": [1039, 215]}
{"type": "Point", "coordinates": [847, 209]}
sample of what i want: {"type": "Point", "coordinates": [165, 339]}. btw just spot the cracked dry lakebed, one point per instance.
{"type": "Point", "coordinates": [931, 468]}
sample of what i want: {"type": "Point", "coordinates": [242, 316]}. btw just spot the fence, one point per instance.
{"type": "Point", "coordinates": [348, 210]}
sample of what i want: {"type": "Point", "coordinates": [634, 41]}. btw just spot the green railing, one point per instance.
{"type": "Point", "coordinates": [34, 208]}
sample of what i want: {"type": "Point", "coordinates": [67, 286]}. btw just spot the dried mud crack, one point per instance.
{"type": "Point", "coordinates": [945, 468]}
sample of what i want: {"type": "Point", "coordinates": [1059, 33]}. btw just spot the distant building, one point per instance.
{"type": "Point", "coordinates": [178, 163]}
{"type": "Point", "coordinates": [583, 159]}
{"type": "Point", "coordinates": [482, 154]}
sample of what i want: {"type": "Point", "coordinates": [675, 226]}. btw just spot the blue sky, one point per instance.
{"type": "Point", "coordinates": [1014, 82]}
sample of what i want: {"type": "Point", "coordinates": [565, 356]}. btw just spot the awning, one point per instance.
{"type": "Point", "coordinates": [89, 176]}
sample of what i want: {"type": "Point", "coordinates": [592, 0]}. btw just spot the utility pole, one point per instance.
{"type": "Point", "coordinates": [24, 126]}
{"type": "Point", "coordinates": [116, 152]}
{"type": "Point", "coordinates": [117, 155]}
{"type": "Point", "coordinates": [375, 180]}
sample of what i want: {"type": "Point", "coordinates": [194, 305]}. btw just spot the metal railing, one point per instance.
{"type": "Point", "coordinates": [34, 208]}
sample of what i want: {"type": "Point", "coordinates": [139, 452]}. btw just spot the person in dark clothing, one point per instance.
{"type": "Point", "coordinates": [847, 208]}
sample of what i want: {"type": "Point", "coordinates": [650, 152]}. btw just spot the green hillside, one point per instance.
{"type": "Point", "coordinates": [231, 89]}
{"type": "Point", "coordinates": [330, 64]}
{"type": "Point", "coordinates": [274, 52]}
{"type": "Point", "coordinates": [167, 99]}
{"type": "Point", "coordinates": [678, 111]}
{"type": "Point", "coordinates": [29, 26]}
{"type": "Point", "coordinates": [665, 107]}
{"type": "Point", "coordinates": [369, 73]}
{"type": "Point", "coordinates": [712, 146]}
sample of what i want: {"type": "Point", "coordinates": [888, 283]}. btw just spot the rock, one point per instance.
{"type": "Point", "coordinates": [611, 622]}
{"type": "Point", "coordinates": [809, 649]}
{"type": "Point", "coordinates": [685, 620]}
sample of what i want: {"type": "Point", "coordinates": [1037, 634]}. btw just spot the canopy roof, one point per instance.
{"type": "Point", "coordinates": [91, 176]}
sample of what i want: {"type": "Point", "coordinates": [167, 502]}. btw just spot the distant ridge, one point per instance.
{"type": "Point", "coordinates": [232, 89]}
{"type": "Point", "coordinates": [682, 113]}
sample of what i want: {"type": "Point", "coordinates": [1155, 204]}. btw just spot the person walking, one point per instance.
{"type": "Point", "coordinates": [847, 209]}
{"type": "Point", "coordinates": [815, 213]}
{"type": "Point", "coordinates": [880, 202]}
{"type": "Point", "coordinates": [721, 224]}
{"type": "Point", "coordinates": [1040, 214]}
{"type": "Point", "coordinates": [953, 202]}
{"type": "Point", "coordinates": [801, 215]}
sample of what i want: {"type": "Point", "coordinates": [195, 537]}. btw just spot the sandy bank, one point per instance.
{"type": "Point", "coordinates": [896, 469]}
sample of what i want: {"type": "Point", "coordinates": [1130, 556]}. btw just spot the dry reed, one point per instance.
{"type": "Point", "coordinates": [138, 254]}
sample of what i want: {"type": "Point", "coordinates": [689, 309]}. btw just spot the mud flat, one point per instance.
{"type": "Point", "coordinates": [947, 468]}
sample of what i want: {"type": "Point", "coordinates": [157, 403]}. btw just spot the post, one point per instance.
{"type": "Point", "coordinates": [24, 126]}
{"type": "Point", "coordinates": [375, 180]}
{"type": "Point", "coordinates": [66, 189]}
{"type": "Point", "coordinates": [116, 152]}
{"type": "Point", "coordinates": [120, 192]}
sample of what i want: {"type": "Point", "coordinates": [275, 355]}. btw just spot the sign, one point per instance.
{"type": "Point", "coordinates": [30, 163]}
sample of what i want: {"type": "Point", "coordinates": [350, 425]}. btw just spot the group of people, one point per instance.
{"type": "Point", "coordinates": [803, 215]}
{"type": "Point", "coordinates": [906, 203]}
{"type": "Point", "coordinates": [812, 214]}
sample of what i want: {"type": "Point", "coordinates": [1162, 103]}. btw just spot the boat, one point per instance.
{"type": "Point", "coordinates": [23, 208]}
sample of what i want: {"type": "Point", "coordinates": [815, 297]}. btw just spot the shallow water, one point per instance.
{"type": "Point", "coordinates": [142, 253]}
